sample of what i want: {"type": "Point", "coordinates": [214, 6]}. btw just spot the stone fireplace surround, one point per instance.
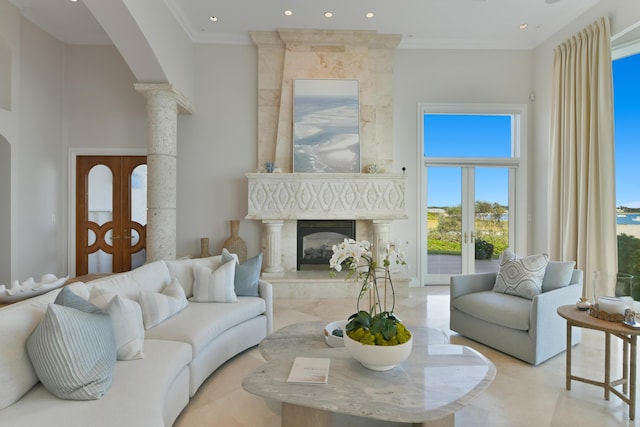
{"type": "Point", "coordinates": [280, 199]}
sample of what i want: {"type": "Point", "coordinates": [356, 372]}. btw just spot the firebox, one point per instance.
{"type": "Point", "coordinates": [316, 239]}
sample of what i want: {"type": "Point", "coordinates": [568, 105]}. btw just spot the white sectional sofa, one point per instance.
{"type": "Point", "coordinates": [179, 353]}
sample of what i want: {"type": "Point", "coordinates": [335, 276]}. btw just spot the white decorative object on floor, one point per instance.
{"type": "Point", "coordinates": [30, 288]}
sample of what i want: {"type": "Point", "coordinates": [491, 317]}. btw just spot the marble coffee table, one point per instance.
{"type": "Point", "coordinates": [425, 390]}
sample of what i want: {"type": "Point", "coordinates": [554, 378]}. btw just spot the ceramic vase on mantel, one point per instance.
{"type": "Point", "coordinates": [234, 243]}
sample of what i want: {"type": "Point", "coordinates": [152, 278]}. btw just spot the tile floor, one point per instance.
{"type": "Point", "coordinates": [520, 396]}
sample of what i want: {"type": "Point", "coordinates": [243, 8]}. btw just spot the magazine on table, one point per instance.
{"type": "Point", "coordinates": [309, 370]}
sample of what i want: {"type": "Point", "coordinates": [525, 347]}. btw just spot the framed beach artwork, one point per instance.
{"type": "Point", "coordinates": [326, 126]}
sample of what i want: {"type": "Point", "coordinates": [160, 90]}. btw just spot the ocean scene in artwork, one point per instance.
{"type": "Point", "coordinates": [326, 134]}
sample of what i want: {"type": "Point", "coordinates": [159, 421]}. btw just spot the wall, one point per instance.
{"type": "Point", "coordinates": [216, 147]}
{"type": "Point", "coordinates": [103, 114]}
{"type": "Point", "coordinates": [5, 212]}
{"type": "Point", "coordinates": [217, 144]}
{"type": "Point", "coordinates": [446, 76]}
{"type": "Point", "coordinates": [622, 15]}
{"type": "Point", "coordinates": [38, 199]}
{"type": "Point", "coordinates": [9, 121]}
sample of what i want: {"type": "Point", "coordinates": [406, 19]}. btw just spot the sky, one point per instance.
{"type": "Point", "coordinates": [626, 104]}
{"type": "Point", "coordinates": [490, 136]}
{"type": "Point", "coordinates": [467, 136]}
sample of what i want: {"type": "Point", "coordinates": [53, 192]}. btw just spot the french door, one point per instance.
{"type": "Point", "coordinates": [111, 213]}
{"type": "Point", "coordinates": [468, 219]}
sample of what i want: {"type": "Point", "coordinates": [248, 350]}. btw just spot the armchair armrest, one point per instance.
{"type": "Point", "coordinates": [469, 283]}
{"type": "Point", "coordinates": [544, 317]}
{"type": "Point", "coordinates": [265, 289]}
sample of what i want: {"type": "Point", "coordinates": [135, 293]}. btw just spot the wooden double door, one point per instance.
{"type": "Point", "coordinates": [111, 213]}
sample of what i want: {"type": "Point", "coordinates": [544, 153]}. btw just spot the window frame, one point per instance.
{"type": "Point", "coordinates": [517, 161]}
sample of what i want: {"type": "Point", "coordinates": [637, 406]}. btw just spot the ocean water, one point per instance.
{"type": "Point", "coordinates": [628, 219]}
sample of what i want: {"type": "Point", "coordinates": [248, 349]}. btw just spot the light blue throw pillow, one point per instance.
{"type": "Point", "coordinates": [247, 276]}
{"type": "Point", "coordinates": [73, 353]}
{"type": "Point", "coordinates": [557, 275]}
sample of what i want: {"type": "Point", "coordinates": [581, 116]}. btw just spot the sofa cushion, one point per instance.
{"type": "Point", "coordinates": [128, 327]}
{"type": "Point", "coordinates": [206, 321]}
{"type": "Point", "coordinates": [68, 298]}
{"type": "Point", "coordinates": [247, 276]}
{"type": "Point", "coordinates": [500, 309]}
{"type": "Point", "coordinates": [183, 270]}
{"type": "Point", "coordinates": [73, 352]}
{"type": "Point", "coordinates": [126, 319]}
{"type": "Point", "coordinates": [215, 285]}
{"type": "Point", "coordinates": [158, 306]}
{"type": "Point", "coordinates": [557, 275]}
{"type": "Point", "coordinates": [152, 277]}
{"type": "Point", "coordinates": [520, 276]}
{"type": "Point", "coordinates": [102, 290]}
{"type": "Point", "coordinates": [18, 321]}
{"type": "Point", "coordinates": [137, 395]}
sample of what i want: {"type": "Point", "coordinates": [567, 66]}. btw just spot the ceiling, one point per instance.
{"type": "Point", "coordinates": [468, 24]}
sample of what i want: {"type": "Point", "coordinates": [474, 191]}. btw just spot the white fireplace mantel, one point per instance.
{"type": "Point", "coordinates": [278, 197]}
{"type": "Point", "coordinates": [326, 196]}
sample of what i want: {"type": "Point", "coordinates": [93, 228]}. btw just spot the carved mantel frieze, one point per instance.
{"type": "Point", "coordinates": [357, 196]}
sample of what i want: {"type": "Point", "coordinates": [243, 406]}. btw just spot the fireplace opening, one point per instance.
{"type": "Point", "coordinates": [316, 239]}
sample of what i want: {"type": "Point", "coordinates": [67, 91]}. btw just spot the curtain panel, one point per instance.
{"type": "Point", "coordinates": [582, 181]}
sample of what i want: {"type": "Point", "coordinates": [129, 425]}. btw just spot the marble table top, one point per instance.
{"type": "Point", "coordinates": [435, 381]}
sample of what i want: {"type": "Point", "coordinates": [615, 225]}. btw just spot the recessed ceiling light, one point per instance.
{"type": "Point", "coordinates": [370, 14]}
{"type": "Point", "coordinates": [523, 26]}
{"type": "Point", "coordinates": [288, 12]}
{"type": "Point", "coordinates": [328, 14]}
{"type": "Point", "coordinates": [213, 18]}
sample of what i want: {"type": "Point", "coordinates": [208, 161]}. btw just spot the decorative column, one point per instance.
{"type": "Point", "coordinates": [164, 103]}
{"type": "Point", "coordinates": [273, 252]}
{"type": "Point", "coordinates": [381, 233]}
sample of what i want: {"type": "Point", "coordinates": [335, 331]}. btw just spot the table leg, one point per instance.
{"type": "Point", "coordinates": [296, 415]}
{"type": "Point", "coordinates": [632, 375]}
{"type": "Point", "coordinates": [625, 366]}
{"type": "Point", "coordinates": [607, 364]}
{"type": "Point", "coordinates": [568, 363]}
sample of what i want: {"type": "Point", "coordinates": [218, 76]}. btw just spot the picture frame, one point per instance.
{"type": "Point", "coordinates": [326, 126]}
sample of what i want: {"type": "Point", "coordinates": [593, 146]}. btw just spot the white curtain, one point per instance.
{"type": "Point", "coordinates": [582, 182]}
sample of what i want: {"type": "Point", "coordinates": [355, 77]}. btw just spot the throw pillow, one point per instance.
{"type": "Point", "coordinates": [557, 275]}
{"type": "Point", "coordinates": [227, 256]}
{"type": "Point", "coordinates": [247, 276]}
{"type": "Point", "coordinates": [126, 319]}
{"type": "Point", "coordinates": [215, 286]}
{"type": "Point", "coordinates": [128, 327]}
{"type": "Point", "coordinates": [520, 276]}
{"type": "Point", "coordinates": [68, 298]}
{"type": "Point", "coordinates": [159, 306]}
{"type": "Point", "coordinates": [73, 353]}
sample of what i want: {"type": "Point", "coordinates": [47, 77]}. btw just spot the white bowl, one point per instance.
{"type": "Point", "coordinates": [333, 340]}
{"type": "Point", "coordinates": [378, 357]}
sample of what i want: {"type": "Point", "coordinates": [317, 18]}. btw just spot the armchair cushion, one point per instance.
{"type": "Point", "coordinates": [557, 275]}
{"type": "Point", "coordinates": [492, 307]}
{"type": "Point", "coordinates": [521, 277]}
